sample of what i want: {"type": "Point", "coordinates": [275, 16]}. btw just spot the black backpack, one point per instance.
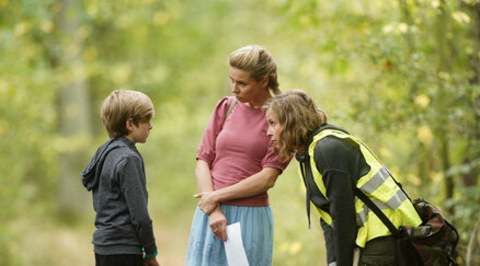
{"type": "Point", "coordinates": [432, 243]}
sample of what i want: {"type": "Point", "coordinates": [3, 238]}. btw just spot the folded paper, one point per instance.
{"type": "Point", "coordinates": [236, 255]}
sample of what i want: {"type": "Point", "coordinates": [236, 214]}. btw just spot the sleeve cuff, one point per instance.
{"type": "Point", "coordinates": [153, 255]}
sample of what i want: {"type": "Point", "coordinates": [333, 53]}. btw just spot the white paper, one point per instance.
{"type": "Point", "coordinates": [236, 255]}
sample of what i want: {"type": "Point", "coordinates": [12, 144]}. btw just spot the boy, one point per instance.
{"type": "Point", "coordinates": [116, 177]}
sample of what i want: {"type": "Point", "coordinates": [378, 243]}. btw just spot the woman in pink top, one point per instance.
{"type": "Point", "coordinates": [236, 165]}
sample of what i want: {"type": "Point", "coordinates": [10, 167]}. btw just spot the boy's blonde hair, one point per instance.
{"type": "Point", "coordinates": [258, 61]}
{"type": "Point", "coordinates": [121, 105]}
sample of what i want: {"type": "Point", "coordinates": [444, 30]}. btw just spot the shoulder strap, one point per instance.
{"type": "Point", "coordinates": [230, 108]}
{"type": "Point", "coordinates": [377, 211]}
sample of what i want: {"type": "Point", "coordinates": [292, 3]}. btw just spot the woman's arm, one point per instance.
{"type": "Point", "coordinates": [204, 178]}
{"type": "Point", "coordinates": [217, 220]}
{"type": "Point", "coordinates": [250, 186]}
{"type": "Point", "coordinates": [338, 161]}
{"type": "Point", "coordinates": [329, 241]}
{"type": "Point", "coordinates": [342, 209]}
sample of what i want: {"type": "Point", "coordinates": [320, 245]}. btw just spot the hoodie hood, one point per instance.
{"type": "Point", "coordinates": [91, 173]}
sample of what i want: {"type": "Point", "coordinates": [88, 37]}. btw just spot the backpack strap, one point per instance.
{"type": "Point", "coordinates": [377, 211]}
{"type": "Point", "coordinates": [230, 108]}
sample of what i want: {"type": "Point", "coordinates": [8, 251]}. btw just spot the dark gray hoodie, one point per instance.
{"type": "Point", "coordinates": [116, 177]}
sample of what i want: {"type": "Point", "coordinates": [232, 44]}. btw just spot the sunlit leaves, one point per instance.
{"type": "Point", "coordinates": [425, 135]}
{"type": "Point", "coordinates": [161, 18]}
{"type": "Point", "coordinates": [121, 74]}
{"type": "Point", "coordinates": [291, 248]}
{"type": "Point", "coordinates": [421, 100]}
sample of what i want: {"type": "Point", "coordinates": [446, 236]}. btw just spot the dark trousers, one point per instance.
{"type": "Point", "coordinates": [379, 251]}
{"type": "Point", "coordinates": [118, 260]}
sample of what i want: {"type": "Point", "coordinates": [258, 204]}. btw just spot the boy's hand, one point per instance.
{"type": "Point", "coordinates": [150, 262]}
{"type": "Point", "coordinates": [207, 202]}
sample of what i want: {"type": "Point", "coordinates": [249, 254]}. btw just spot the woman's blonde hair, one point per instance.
{"type": "Point", "coordinates": [258, 61]}
{"type": "Point", "coordinates": [298, 116]}
{"type": "Point", "coordinates": [121, 105]}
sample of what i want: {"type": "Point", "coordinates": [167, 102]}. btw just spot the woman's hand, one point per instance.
{"type": "Point", "coordinates": [218, 224]}
{"type": "Point", "coordinates": [207, 202]}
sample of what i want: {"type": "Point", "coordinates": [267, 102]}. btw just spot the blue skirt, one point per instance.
{"type": "Point", "coordinates": [257, 236]}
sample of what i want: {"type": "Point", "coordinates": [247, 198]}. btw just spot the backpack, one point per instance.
{"type": "Point", "coordinates": [432, 243]}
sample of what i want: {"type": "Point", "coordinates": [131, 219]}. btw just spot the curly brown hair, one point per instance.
{"type": "Point", "coordinates": [298, 116]}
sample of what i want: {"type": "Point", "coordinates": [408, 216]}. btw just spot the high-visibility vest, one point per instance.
{"type": "Point", "coordinates": [378, 185]}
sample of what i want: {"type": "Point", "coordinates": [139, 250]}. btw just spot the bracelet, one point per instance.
{"type": "Point", "coordinates": [153, 255]}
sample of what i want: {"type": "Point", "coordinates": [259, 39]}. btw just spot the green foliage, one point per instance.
{"type": "Point", "coordinates": [403, 75]}
{"type": "Point", "coordinates": [294, 242]}
{"type": "Point", "coordinates": [414, 66]}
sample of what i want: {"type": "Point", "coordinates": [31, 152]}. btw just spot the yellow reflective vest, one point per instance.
{"type": "Point", "coordinates": [378, 185]}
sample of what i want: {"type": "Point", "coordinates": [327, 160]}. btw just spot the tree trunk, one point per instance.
{"type": "Point", "coordinates": [442, 105]}
{"type": "Point", "coordinates": [73, 111]}
{"type": "Point", "coordinates": [470, 178]}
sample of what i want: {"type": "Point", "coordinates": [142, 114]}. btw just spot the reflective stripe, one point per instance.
{"type": "Point", "coordinates": [378, 184]}
{"type": "Point", "coordinates": [376, 181]}
{"type": "Point", "coordinates": [380, 205]}
{"type": "Point", "coordinates": [393, 203]}
{"type": "Point", "coordinates": [362, 216]}
{"type": "Point", "coordinates": [397, 200]}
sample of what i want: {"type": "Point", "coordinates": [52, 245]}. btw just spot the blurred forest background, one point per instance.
{"type": "Point", "coordinates": [403, 75]}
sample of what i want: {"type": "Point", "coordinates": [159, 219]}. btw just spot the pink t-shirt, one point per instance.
{"type": "Point", "coordinates": [238, 148]}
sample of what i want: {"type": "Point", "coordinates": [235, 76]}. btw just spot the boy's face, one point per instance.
{"type": "Point", "coordinates": [138, 133]}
